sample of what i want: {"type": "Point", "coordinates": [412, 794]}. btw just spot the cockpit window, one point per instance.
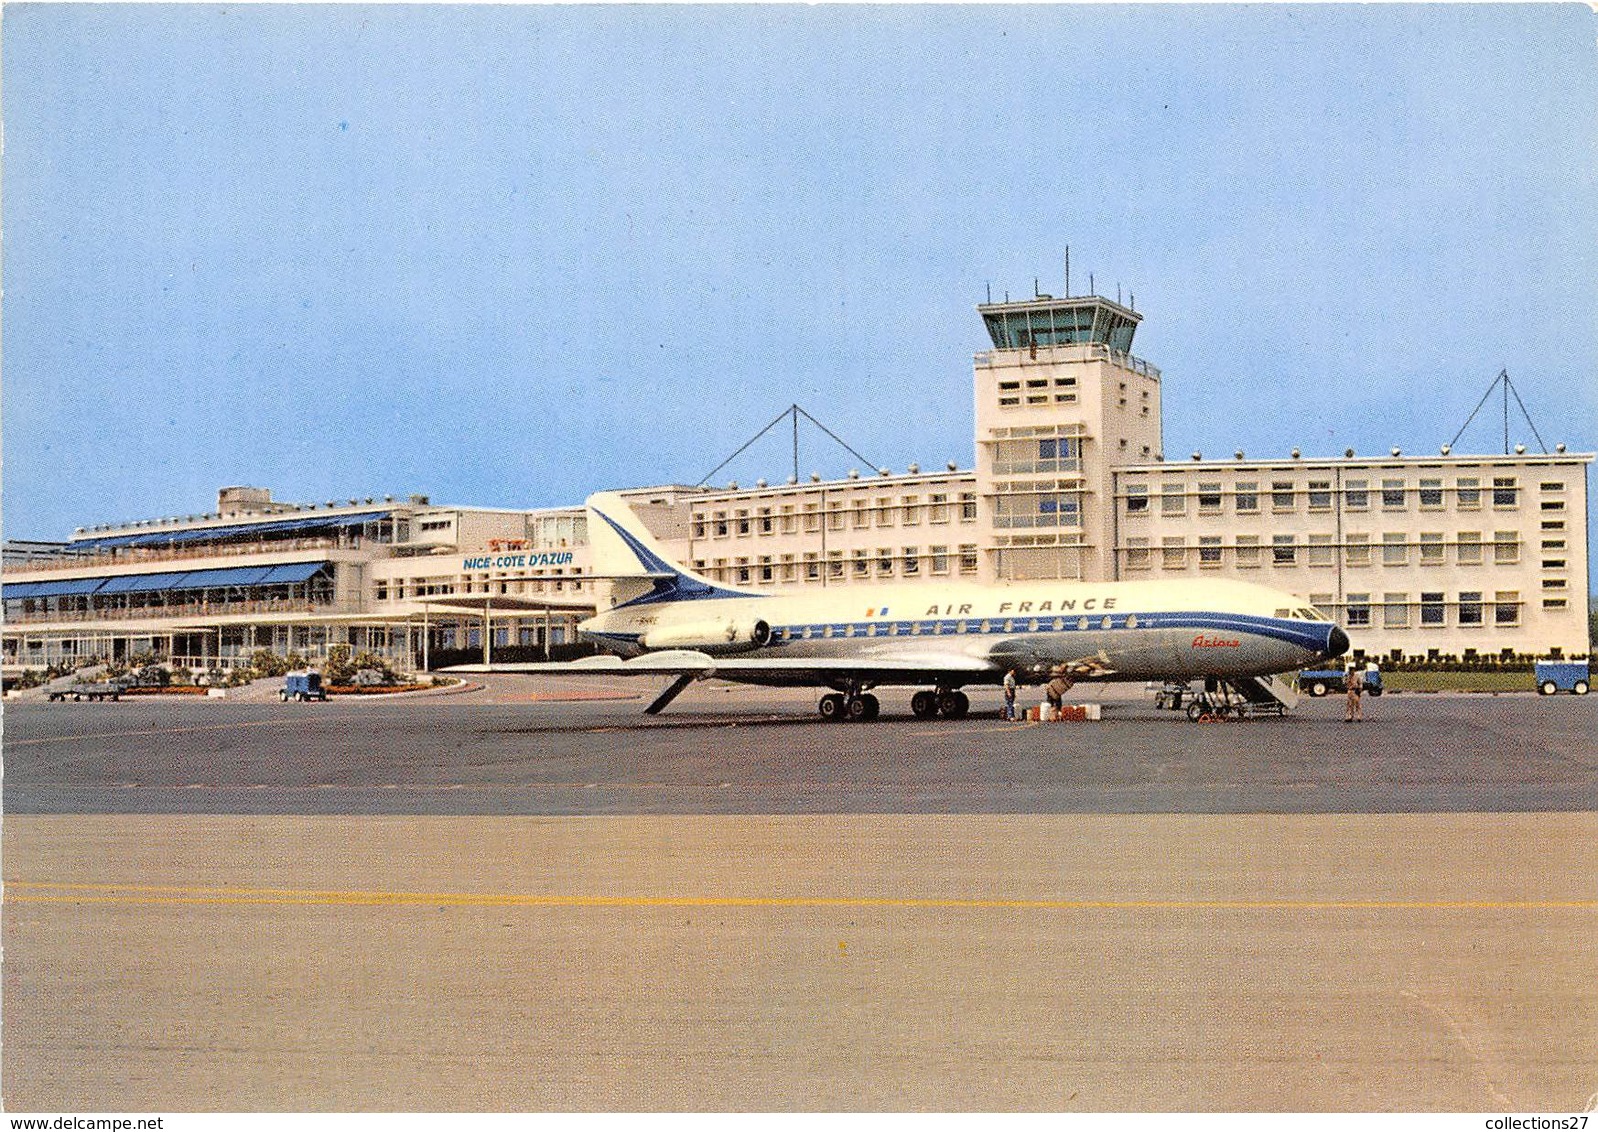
{"type": "Point", "coordinates": [1302, 613]}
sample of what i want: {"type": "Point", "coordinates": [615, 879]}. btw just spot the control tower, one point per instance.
{"type": "Point", "coordinates": [1060, 401]}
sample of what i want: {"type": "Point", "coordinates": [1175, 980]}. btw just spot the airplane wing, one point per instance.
{"type": "Point", "coordinates": [780, 670]}
{"type": "Point", "coordinates": [688, 665]}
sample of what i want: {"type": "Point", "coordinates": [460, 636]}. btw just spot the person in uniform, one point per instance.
{"type": "Point", "coordinates": [1009, 696]}
{"type": "Point", "coordinates": [1355, 683]}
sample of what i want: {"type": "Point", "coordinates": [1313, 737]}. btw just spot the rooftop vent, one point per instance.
{"type": "Point", "coordinates": [1397, 451]}
{"type": "Point", "coordinates": [1296, 453]}
{"type": "Point", "coordinates": [1238, 455]}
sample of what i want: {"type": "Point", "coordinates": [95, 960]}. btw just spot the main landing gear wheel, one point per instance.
{"type": "Point", "coordinates": [953, 705]}
{"type": "Point", "coordinates": [924, 704]}
{"type": "Point", "coordinates": [860, 709]}
{"type": "Point", "coordinates": [831, 707]}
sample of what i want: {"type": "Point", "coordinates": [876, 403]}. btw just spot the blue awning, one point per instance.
{"type": "Point", "coordinates": [285, 574]}
{"type": "Point", "coordinates": [17, 590]}
{"type": "Point", "coordinates": [142, 583]}
{"type": "Point", "coordinates": [291, 572]}
{"type": "Point", "coordinates": [303, 523]}
{"type": "Point", "coordinates": [234, 576]}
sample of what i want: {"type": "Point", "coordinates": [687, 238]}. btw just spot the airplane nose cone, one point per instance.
{"type": "Point", "coordinates": [1336, 641]}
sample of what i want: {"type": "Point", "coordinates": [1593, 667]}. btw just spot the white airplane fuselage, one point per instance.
{"type": "Point", "coordinates": [1112, 630]}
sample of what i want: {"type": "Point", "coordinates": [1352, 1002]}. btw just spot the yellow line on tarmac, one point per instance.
{"type": "Point", "coordinates": [59, 893]}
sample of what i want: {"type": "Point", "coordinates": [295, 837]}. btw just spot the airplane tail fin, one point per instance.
{"type": "Point", "coordinates": [624, 550]}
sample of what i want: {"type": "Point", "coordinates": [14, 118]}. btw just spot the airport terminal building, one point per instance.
{"type": "Point", "coordinates": [1445, 555]}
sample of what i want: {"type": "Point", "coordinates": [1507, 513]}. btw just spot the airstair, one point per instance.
{"type": "Point", "coordinates": [1244, 697]}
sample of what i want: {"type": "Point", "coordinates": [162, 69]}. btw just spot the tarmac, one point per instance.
{"type": "Point", "coordinates": [531, 897]}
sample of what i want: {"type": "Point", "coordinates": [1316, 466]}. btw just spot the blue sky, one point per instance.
{"type": "Point", "coordinates": [510, 255]}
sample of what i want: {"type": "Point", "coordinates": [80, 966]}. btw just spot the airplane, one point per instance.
{"type": "Point", "coordinates": [666, 620]}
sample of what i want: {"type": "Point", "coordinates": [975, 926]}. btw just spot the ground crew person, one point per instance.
{"type": "Point", "coordinates": [1009, 696]}
{"type": "Point", "coordinates": [1355, 682]}
{"type": "Point", "coordinates": [1058, 686]}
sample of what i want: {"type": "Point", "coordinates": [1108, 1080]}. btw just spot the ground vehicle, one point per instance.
{"type": "Point", "coordinates": [302, 686]}
{"type": "Point", "coordinates": [1319, 681]}
{"type": "Point", "coordinates": [109, 691]}
{"type": "Point", "coordinates": [1563, 676]}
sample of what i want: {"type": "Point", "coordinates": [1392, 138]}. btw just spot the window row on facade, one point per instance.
{"type": "Point", "coordinates": [1467, 609]}
{"type": "Point", "coordinates": [520, 582]}
{"type": "Point", "coordinates": [1397, 493]}
{"type": "Point", "coordinates": [856, 514]}
{"type": "Point", "coordinates": [839, 565]}
{"type": "Point", "coordinates": [1392, 548]}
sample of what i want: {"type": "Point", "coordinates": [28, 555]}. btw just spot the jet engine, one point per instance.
{"type": "Point", "coordinates": [710, 636]}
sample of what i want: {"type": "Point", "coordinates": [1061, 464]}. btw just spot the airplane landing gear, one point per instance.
{"type": "Point", "coordinates": [946, 702]}
{"type": "Point", "coordinates": [856, 707]}
{"type": "Point", "coordinates": [862, 708]}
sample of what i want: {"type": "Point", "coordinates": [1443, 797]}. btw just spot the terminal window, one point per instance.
{"type": "Point", "coordinates": [1431, 549]}
{"type": "Point", "coordinates": [1505, 493]}
{"type": "Point", "coordinates": [1173, 499]}
{"type": "Point", "coordinates": [1281, 495]}
{"type": "Point", "coordinates": [1395, 551]}
{"type": "Point", "coordinates": [1209, 496]}
{"type": "Point", "coordinates": [1247, 496]}
{"type": "Point", "coordinates": [1357, 550]}
{"type": "Point", "coordinates": [1470, 604]}
{"type": "Point", "coordinates": [1209, 550]}
{"type": "Point", "coordinates": [1395, 611]}
{"type": "Point", "coordinates": [1467, 493]}
{"type": "Point", "coordinates": [1506, 607]}
{"type": "Point", "coordinates": [1392, 495]}
{"type": "Point", "coordinates": [1356, 495]}
{"type": "Point", "coordinates": [1431, 608]}
{"type": "Point", "coordinates": [1506, 547]}
{"type": "Point", "coordinates": [1283, 552]}
{"type": "Point", "coordinates": [1468, 548]}
{"type": "Point", "coordinates": [1431, 493]}
{"type": "Point", "coordinates": [1320, 495]}
{"type": "Point", "coordinates": [1359, 610]}
{"type": "Point", "coordinates": [1137, 498]}
{"type": "Point", "coordinates": [1248, 550]}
